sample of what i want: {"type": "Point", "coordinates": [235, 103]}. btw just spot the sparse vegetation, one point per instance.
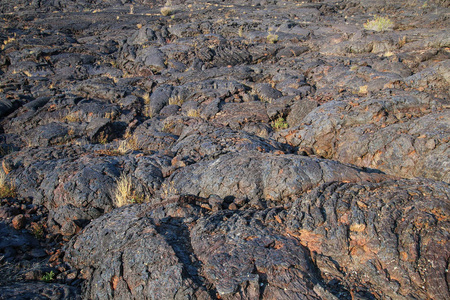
{"type": "Point", "coordinates": [279, 124]}
{"type": "Point", "coordinates": [123, 190]}
{"type": "Point", "coordinates": [402, 41]}
{"type": "Point", "coordinates": [102, 138]}
{"type": "Point", "coordinates": [148, 111]}
{"type": "Point", "coordinates": [193, 113]}
{"type": "Point", "coordinates": [110, 115]}
{"type": "Point", "coordinates": [6, 188]}
{"type": "Point", "coordinates": [7, 41]}
{"type": "Point", "coordinates": [123, 147]}
{"type": "Point", "coordinates": [146, 98]}
{"type": "Point", "coordinates": [48, 277]}
{"type": "Point", "coordinates": [379, 24]}
{"type": "Point", "coordinates": [168, 190]}
{"type": "Point", "coordinates": [169, 125]}
{"type": "Point", "coordinates": [167, 10]}
{"type": "Point", "coordinates": [125, 194]}
{"type": "Point", "coordinates": [130, 143]}
{"type": "Point", "coordinates": [176, 100]}
{"type": "Point", "coordinates": [73, 117]}
{"type": "Point", "coordinates": [37, 230]}
{"type": "Point", "coordinates": [133, 143]}
{"type": "Point", "coordinates": [241, 31]}
{"type": "Point", "coordinates": [272, 38]}
{"type": "Point", "coordinates": [363, 89]}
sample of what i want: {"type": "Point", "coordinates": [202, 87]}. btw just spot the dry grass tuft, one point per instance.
{"type": "Point", "coordinates": [379, 24]}
{"type": "Point", "coordinates": [176, 100]}
{"type": "Point", "coordinates": [74, 117]}
{"type": "Point", "coordinates": [168, 190]}
{"type": "Point", "coordinates": [272, 38]}
{"type": "Point", "coordinates": [6, 189]}
{"type": "Point", "coordinates": [123, 192]}
{"type": "Point", "coordinates": [123, 147]}
{"type": "Point", "coordinates": [193, 113]}
{"type": "Point", "coordinates": [167, 10]}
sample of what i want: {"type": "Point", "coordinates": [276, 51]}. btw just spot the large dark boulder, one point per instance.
{"type": "Point", "coordinates": [255, 175]}
{"type": "Point", "coordinates": [400, 135]}
{"type": "Point", "coordinates": [126, 255]}
{"type": "Point", "coordinates": [78, 188]}
{"type": "Point", "coordinates": [390, 239]}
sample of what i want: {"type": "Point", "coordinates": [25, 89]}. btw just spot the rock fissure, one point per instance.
{"type": "Point", "coordinates": [177, 236]}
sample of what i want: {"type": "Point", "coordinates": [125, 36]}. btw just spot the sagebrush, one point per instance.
{"type": "Point", "coordinates": [379, 24]}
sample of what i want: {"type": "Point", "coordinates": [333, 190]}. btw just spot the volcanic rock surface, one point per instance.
{"type": "Point", "coordinates": [256, 149]}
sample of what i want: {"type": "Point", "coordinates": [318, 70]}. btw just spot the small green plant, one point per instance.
{"type": "Point", "coordinates": [279, 124]}
{"type": "Point", "coordinates": [48, 277]}
{"type": "Point", "coordinates": [379, 24]}
{"type": "Point", "coordinates": [137, 198]}
{"type": "Point", "coordinates": [102, 138]}
{"type": "Point", "coordinates": [37, 230]}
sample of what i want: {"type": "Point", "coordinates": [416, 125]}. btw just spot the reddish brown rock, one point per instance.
{"type": "Point", "coordinates": [19, 221]}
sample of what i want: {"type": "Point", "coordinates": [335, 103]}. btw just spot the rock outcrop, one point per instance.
{"type": "Point", "coordinates": [257, 149]}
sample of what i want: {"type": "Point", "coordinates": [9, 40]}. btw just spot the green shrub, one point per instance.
{"type": "Point", "coordinates": [48, 277]}
{"type": "Point", "coordinates": [279, 123]}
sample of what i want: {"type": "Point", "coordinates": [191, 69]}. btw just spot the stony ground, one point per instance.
{"type": "Point", "coordinates": [254, 149]}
